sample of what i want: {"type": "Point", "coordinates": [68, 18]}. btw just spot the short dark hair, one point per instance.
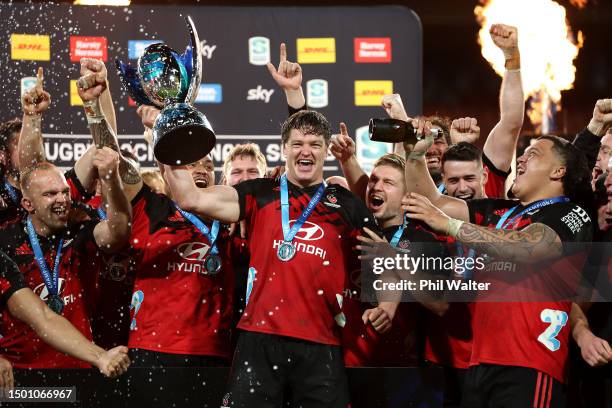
{"type": "Point", "coordinates": [391, 160]}
{"type": "Point", "coordinates": [307, 122]}
{"type": "Point", "coordinates": [7, 130]}
{"type": "Point", "coordinates": [443, 123]}
{"type": "Point", "coordinates": [577, 178]}
{"type": "Point", "coordinates": [462, 151]}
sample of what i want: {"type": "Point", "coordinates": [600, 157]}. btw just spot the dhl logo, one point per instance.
{"type": "Point", "coordinates": [316, 50]}
{"type": "Point", "coordinates": [370, 93]}
{"type": "Point", "coordinates": [30, 47]}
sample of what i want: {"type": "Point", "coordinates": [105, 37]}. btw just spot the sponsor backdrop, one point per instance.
{"type": "Point", "coordinates": [351, 56]}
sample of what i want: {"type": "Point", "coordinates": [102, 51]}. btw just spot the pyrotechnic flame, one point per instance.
{"type": "Point", "coordinates": [545, 41]}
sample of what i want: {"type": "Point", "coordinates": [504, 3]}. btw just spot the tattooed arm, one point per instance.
{"type": "Point", "coordinates": [537, 242]}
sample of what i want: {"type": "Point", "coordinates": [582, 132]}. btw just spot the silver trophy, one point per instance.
{"type": "Point", "coordinates": [170, 81]}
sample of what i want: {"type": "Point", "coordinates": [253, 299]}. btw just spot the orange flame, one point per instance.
{"type": "Point", "coordinates": [546, 42]}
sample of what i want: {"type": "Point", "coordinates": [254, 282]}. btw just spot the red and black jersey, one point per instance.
{"type": "Point", "coordinates": [399, 347]}
{"type": "Point", "coordinates": [496, 180]}
{"type": "Point", "coordinates": [11, 279]}
{"type": "Point", "coordinates": [176, 307]}
{"type": "Point", "coordinates": [531, 334]}
{"type": "Point", "coordinates": [301, 298]}
{"type": "Point", "coordinates": [14, 212]}
{"type": "Point", "coordinates": [77, 276]}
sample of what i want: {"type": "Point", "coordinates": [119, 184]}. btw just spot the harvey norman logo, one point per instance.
{"type": "Point", "coordinates": [373, 49]}
{"type": "Point", "coordinates": [370, 93]}
{"type": "Point", "coordinates": [88, 47]}
{"type": "Point", "coordinates": [316, 50]}
{"type": "Point", "coordinates": [317, 93]}
{"type": "Point", "coordinates": [30, 47]}
{"type": "Point", "coordinates": [259, 50]}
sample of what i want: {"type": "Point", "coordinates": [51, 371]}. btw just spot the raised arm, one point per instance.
{"type": "Point", "coordinates": [33, 104]}
{"type": "Point", "coordinates": [501, 143]}
{"type": "Point", "coordinates": [113, 233]}
{"type": "Point", "coordinates": [418, 179]}
{"type": "Point", "coordinates": [60, 334]}
{"type": "Point", "coordinates": [343, 149]}
{"type": "Point", "coordinates": [595, 351]}
{"type": "Point", "coordinates": [289, 77]}
{"type": "Point", "coordinates": [215, 202]}
{"type": "Point", "coordinates": [93, 90]}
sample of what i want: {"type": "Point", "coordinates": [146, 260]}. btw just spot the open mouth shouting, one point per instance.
{"type": "Point", "coordinates": [200, 180]}
{"type": "Point", "coordinates": [433, 161]}
{"type": "Point", "coordinates": [376, 201]}
{"type": "Point", "coordinates": [60, 211]}
{"type": "Point", "coordinates": [305, 165]}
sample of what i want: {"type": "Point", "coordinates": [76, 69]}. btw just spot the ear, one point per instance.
{"type": "Point", "coordinates": [558, 173]}
{"type": "Point", "coordinates": [485, 176]}
{"type": "Point", "coordinates": [284, 151]}
{"type": "Point", "coordinates": [27, 204]}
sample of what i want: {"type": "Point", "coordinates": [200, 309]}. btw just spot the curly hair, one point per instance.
{"type": "Point", "coordinates": [7, 130]}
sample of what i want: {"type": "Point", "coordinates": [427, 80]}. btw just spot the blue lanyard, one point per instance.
{"type": "Point", "coordinates": [101, 213]}
{"type": "Point", "coordinates": [501, 224]}
{"type": "Point", "coordinates": [11, 192]}
{"type": "Point", "coordinates": [288, 234]}
{"type": "Point", "coordinates": [51, 281]}
{"type": "Point", "coordinates": [398, 234]}
{"type": "Point", "coordinates": [210, 234]}
{"type": "Point", "coordinates": [442, 188]}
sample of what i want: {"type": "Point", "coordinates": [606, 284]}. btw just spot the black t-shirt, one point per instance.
{"type": "Point", "coordinates": [11, 280]}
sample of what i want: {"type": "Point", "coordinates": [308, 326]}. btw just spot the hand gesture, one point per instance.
{"type": "Point", "coordinates": [394, 107]}
{"type": "Point", "coordinates": [289, 74]}
{"type": "Point", "coordinates": [595, 351]}
{"type": "Point", "coordinates": [106, 160]}
{"type": "Point", "coordinates": [7, 381]}
{"type": "Point", "coordinates": [93, 78]}
{"type": "Point", "coordinates": [374, 246]}
{"type": "Point", "coordinates": [36, 100]}
{"type": "Point", "coordinates": [602, 117]}
{"type": "Point", "coordinates": [342, 146]}
{"type": "Point", "coordinates": [505, 37]}
{"type": "Point", "coordinates": [148, 115]}
{"type": "Point", "coordinates": [464, 130]}
{"type": "Point", "coordinates": [418, 207]}
{"type": "Point", "coordinates": [380, 318]}
{"type": "Point", "coordinates": [114, 362]}
{"type": "Point", "coordinates": [422, 127]}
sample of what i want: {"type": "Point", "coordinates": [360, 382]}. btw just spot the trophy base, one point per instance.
{"type": "Point", "coordinates": [182, 135]}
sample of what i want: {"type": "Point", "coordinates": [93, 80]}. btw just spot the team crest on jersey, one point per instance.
{"type": "Point", "coordinates": [226, 400]}
{"type": "Point", "coordinates": [332, 201]}
{"type": "Point", "coordinates": [176, 217]}
{"type": "Point", "coordinates": [403, 244]}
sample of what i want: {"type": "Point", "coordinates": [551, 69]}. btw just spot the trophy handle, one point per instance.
{"type": "Point", "coordinates": [131, 82]}
{"type": "Point", "coordinates": [192, 59]}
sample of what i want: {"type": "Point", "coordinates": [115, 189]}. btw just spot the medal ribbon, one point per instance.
{"type": "Point", "coordinates": [289, 234]}
{"type": "Point", "coordinates": [210, 234]}
{"type": "Point", "coordinates": [398, 234]}
{"type": "Point", "coordinates": [501, 224]}
{"type": "Point", "coordinates": [101, 213]}
{"type": "Point", "coordinates": [51, 281]}
{"type": "Point", "coordinates": [10, 190]}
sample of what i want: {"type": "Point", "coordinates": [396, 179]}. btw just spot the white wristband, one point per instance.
{"type": "Point", "coordinates": [453, 227]}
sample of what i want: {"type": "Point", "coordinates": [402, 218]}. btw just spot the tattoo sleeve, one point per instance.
{"type": "Point", "coordinates": [535, 243]}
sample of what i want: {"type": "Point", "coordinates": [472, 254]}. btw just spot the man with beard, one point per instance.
{"type": "Point", "coordinates": [523, 346]}
{"type": "Point", "coordinates": [52, 328]}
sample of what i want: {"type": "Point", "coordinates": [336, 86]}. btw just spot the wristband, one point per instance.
{"type": "Point", "coordinates": [416, 155]}
{"type": "Point", "coordinates": [453, 227]}
{"type": "Point", "coordinates": [93, 112]}
{"type": "Point", "coordinates": [510, 53]}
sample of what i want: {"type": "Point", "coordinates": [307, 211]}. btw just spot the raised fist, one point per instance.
{"type": "Point", "coordinates": [106, 160]}
{"type": "Point", "coordinates": [342, 146]}
{"type": "Point", "coordinates": [505, 37]}
{"type": "Point", "coordinates": [289, 74]}
{"type": "Point", "coordinates": [93, 78]}
{"type": "Point", "coordinates": [36, 100]}
{"type": "Point", "coordinates": [394, 107]}
{"type": "Point", "coordinates": [464, 130]}
{"type": "Point", "coordinates": [602, 117]}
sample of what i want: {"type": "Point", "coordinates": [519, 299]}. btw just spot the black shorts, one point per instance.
{"type": "Point", "coordinates": [269, 369]}
{"type": "Point", "coordinates": [154, 359]}
{"type": "Point", "coordinates": [454, 379]}
{"type": "Point", "coordinates": [496, 386]}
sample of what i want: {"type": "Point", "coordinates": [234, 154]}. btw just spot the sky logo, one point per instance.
{"type": "Point", "coordinates": [368, 151]}
{"type": "Point", "coordinates": [137, 47]}
{"type": "Point", "coordinates": [210, 93]}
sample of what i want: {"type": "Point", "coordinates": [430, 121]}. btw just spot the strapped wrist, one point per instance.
{"type": "Point", "coordinates": [453, 227]}
{"type": "Point", "coordinates": [93, 111]}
